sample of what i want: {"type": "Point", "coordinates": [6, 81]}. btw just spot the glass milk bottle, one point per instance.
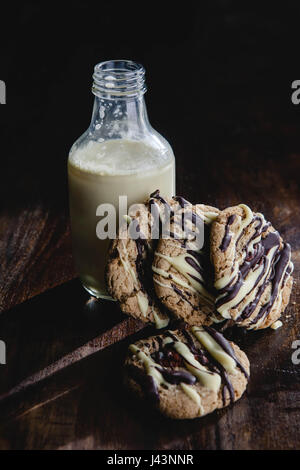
{"type": "Point", "coordinates": [119, 155]}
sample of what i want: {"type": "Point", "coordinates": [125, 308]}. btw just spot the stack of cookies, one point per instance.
{"type": "Point", "coordinates": [173, 260]}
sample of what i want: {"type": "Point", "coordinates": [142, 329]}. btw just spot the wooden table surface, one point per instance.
{"type": "Point", "coordinates": [61, 386]}
{"type": "Point", "coordinates": [236, 137]}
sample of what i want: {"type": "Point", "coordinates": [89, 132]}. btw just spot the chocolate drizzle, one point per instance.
{"type": "Point", "coordinates": [156, 195]}
{"type": "Point", "coordinates": [231, 291]}
{"type": "Point", "coordinates": [198, 260]}
{"type": "Point", "coordinates": [172, 366]}
{"type": "Point", "coordinates": [146, 382]}
{"type": "Point", "coordinates": [203, 266]}
{"type": "Point", "coordinates": [144, 257]}
{"type": "Point", "coordinates": [277, 265]}
{"type": "Point", "coordinates": [158, 215]}
{"type": "Point", "coordinates": [175, 377]}
{"type": "Point", "coordinates": [226, 346]}
{"type": "Point", "coordinates": [252, 261]}
{"type": "Point", "coordinates": [227, 236]}
{"type": "Point", "coordinates": [196, 219]}
{"type": "Point", "coordinates": [183, 296]}
{"type": "Point", "coordinates": [227, 385]}
{"type": "Point", "coordinates": [156, 225]}
{"type": "Point", "coordinates": [143, 264]}
{"type": "Point", "coordinates": [194, 265]}
{"type": "Point", "coordinates": [200, 355]}
{"type": "Point", "coordinates": [278, 270]}
{"type": "Point", "coordinates": [142, 269]}
{"type": "Point", "coordinates": [182, 202]}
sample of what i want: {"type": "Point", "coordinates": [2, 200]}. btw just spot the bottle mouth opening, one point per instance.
{"type": "Point", "coordinates": [121, 78]}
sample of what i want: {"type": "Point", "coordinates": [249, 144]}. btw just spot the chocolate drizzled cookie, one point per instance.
{"type": "Point", "coordinates": [128, 270]}
{"type": "Point", "coordinates": [182, 272]}
{"type": "Point", "coordinates": [188, 372]}
{"type": "Point", "coordinates": [252, 268]}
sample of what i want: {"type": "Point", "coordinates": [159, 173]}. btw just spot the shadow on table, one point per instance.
{"type": "Point", "coordinates": [48, 327]}
{"type": "Point", "coordinates": [86, 406]}
{"type": "Point", "coordinates": [83, 404]}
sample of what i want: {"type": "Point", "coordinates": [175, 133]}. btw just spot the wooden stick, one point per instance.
{"type": "Point", "coordinates": [114, 335]}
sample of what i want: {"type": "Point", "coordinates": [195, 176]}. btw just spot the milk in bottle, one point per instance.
{"type": "Point", "coordinates": [119, 155]}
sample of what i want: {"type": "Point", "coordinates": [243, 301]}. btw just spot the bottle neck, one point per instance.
{"type": "Point", "coordinates": [119, 107]}
{"type": "Point", "coordinates": [120, 118]}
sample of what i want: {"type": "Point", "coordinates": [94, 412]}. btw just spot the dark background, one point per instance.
{"type": "Point", "coordinates": [219, 77]}
{"type": "Point", "coordinates": [214, 69]}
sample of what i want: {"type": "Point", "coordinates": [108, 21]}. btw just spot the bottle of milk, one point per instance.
{"type": "Point", "coordinates": [120, 154]}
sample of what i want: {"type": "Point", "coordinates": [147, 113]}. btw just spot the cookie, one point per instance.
{"type": "Point", "coordinates": [187, 373]}
{"type": "Point", "coordinates": [128, 269]}
{"type": "Point", "coordinates": [252, 268]}
{"type": "Point", "coordinates": [182, 272]}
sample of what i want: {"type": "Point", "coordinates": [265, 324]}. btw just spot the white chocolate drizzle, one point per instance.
{"type": "Point", "coordinates": [209, 216]}
{"type": "Point", "coordinates": [142, 299]}
{"type": "Point", "coordinates": [143, 303]}
{"type": "Point", "coordinates": [160, 322]}
{"type": "Point", "coordinates": [248, 217]}
{"type": "Point", "coordinates": [149, 365]}
{"type": "Point", "coordinates": [182, 266]}
{"type": "Point", "coordinates": [216, 351]}
{"type": "Point", "coordinates": [244, 222]}
{"type": "Point", "coordinates": [167, 275]}
{"type": "Point", "coordinates": [191, 393]}
{"type": "Point", "coordinates": [277, 324]}
{"type": "Point", "coordinates": [249, 282]}
{"type": "Point", "coordinates": [208, 379]}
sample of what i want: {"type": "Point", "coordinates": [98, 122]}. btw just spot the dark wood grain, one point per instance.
{"type": "Point", "coordinates": [219, 90]}
{"type": "Point", "coordinates": [35, 253]}
{"type": "Point", "coordinates": [67, 349]}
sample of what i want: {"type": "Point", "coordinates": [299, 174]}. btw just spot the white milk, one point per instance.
{"type": "Point", "coordinates": [100, 173]}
